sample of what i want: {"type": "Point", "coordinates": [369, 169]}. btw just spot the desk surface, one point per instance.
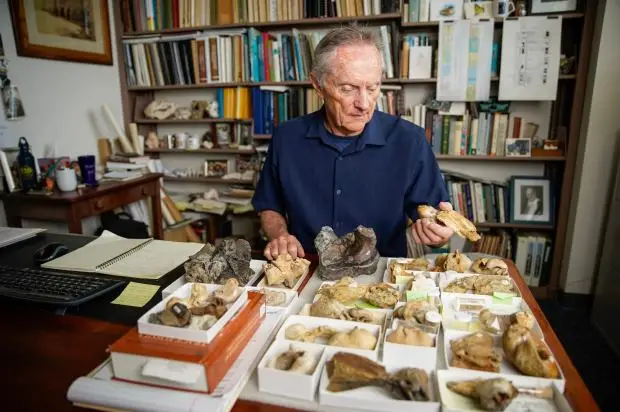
{"type": "Point", "coordinates": [85, 192]}
{"type": "Point", "coordinates": [44, 353]}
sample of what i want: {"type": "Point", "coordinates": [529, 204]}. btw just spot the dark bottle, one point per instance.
{"type": "Point", "coordinates": [27, 166]}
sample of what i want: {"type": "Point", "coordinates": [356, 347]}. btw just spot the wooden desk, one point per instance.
{"type": "Point", "coordinates": [42, 355]}
{"type": "Point", "coordinates": [72, 207]}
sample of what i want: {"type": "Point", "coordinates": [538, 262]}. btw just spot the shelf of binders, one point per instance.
{"type": "Point", "coordinates": [286, 83]}
{"type": "Point", "coordinates": [214, 180]}
{"type": "Point", "coordinates": [202, 151]}
{"type": "Point", "coordinates": [423, 24]}
{"type": "Point", "coordinates": [316, 21]}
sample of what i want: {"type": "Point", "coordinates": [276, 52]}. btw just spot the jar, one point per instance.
{"type": "Point", "coordinates": [180, 140]}
{"type": "Point", "coordinates": [193, 142]}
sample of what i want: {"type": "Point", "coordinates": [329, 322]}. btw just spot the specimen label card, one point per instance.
{"type": "Point", "coordinates": [530, 63]}
{"type": "Point", "coordinates": [465, 52]}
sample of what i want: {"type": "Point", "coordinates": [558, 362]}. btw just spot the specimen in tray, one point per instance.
{"type": "Point", "coordinates": [489, 266]}
{"type": "Point", "coordinates": [495, 394]}
{"type": "Point", "coordinates": [475, 351]}
{"type": "Point", "coordinates": [402, 267]}
{"type": "Point", "coordinates": [346, 290]}
{"type": "Point", "coordinates": [348, 371]}
{"type": "Point", "coordinates": [455, 261]}
{"type": "Point", "coordinates": [201, 309]}
{"type": "Point", "coordinates": [352, 254]}
{"type": "Point", "coordinates": [294, 360]}
{"type": "Point", "coordinates": [356, 338]}
{"type": "Point", "coordinates": [228, 258]}
{"type": "Point", "coordinates": [498, 323]}
{"type": "Point", "coordinates": [274, 297]}
{"type": "Point", "coordinates": [326, 307]}
{"type": "Point", "coordinates": [481, 285]}
{"type": "Point", "coordinates": [420, 282]}
{"type": "Point", "coordinates": [416, 312]}
{"type": "Point", "coordinates": [410, 336]}
{"type": "Point", "coordinates": [452, 219]}
{"type": "Point", "coordinates": [285, 270]}
{"type": "Point", "coordinates": [528, 353]}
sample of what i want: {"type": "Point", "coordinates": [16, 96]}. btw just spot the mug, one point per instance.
{"type": "Point", "coordinates": [180, 140]}
{"type": "Point", "coordinates": [478, 9]}
{"type": "Point", "coordinates": [66, 179]}
{"type": "Point", "coordinates": [503, 8]}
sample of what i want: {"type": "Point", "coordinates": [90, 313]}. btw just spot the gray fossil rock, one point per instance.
{"type": "Point", "coordinates": [352, 254]}
{"type": "Point", "coordinates": [228, 258]}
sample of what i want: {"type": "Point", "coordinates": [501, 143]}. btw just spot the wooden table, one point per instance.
{"type": "Point", "coordinates": [72, 207]}
{"type": "Point", "coordinates": [43, 354]}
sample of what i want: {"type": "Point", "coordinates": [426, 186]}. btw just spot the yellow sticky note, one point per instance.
{"type": "Point", "coordinates": [136, 294]}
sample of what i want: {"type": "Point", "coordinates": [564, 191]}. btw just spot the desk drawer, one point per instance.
{"type": "Point", "coordinates": [114, 200]}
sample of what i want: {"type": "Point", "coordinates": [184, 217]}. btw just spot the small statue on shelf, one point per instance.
{"type": "Point", "coordinates": [152, 141]}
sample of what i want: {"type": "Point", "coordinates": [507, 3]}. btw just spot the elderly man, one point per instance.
{"type": "Point", "coordinates": [347, 164]}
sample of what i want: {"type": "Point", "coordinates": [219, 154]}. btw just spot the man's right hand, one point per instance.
{"type": "Point", "coordinates": [282, 244]}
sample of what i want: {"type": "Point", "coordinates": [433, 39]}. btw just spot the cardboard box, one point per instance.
{"type": "Point", "coordinates": [205, 336]}
{"type": "Point", "coordinates": [290, 384]}
{"type": "Point", "coordinates": [179, 364]}
{"type": "Point", "coordinates": [372, 398]}
{"type": "Point", "coordinates": [341, 326]}
{"type": "Point", "coordinates": [453, 402]}
{"type": "Point", "coordinates": [424, 357]}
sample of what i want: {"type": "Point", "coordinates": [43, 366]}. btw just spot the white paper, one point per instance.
{"type": "Point", "coordinates": [530, 62]}
{"type": "Point", "coordinates": [465, 51]}
{"type": "Point", "coordinates": [174, 371]}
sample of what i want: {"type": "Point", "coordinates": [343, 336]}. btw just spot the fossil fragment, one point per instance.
{"type": "Point", "coordinates": [452, 219]}
{"type": "Point", "coordinates": [415, 311]}
{"type": "Point", "coordinates": [495, 394]}
{"type": "Point", "coordinates": [175, 314]}
{"type": "Point", "coordinates": [364, 316]}
{"type": "Point", "coordinates": [199, 295]}
{"type": "Point", "coordinates": [294, 360]}
{"type": "Point", "coordinates": [299, 332]}
{"type": "Point", "coordinates": [202, 322]}
{"type": "Point", "coordinates": [213, 306]}
{"type": "Point", "coordinates": [344, 290]}
{"type": "Point", "coordinates": [497, 324]}
{"type": "Point", "coordinates": [382, 295]}
{"type": "Point", "coordinates": [481, 285]}
{"type": "Point", "coordinates": [348, 371]}
{"type": "Point", "coordinates": [285, 270]}
{"type": "Point", "coordinates": [528, 353]}
{"type": "Point", "coordinates": [356, 338]}
{"type": "Point", "coordinates": [455, 261]}
{"type": "Point", "coordinates": [401, 267]}
{"type": "Point", "coordinates": [274, 297]}
{"type": "Point", "coordinates": [410, 336]}
{"type": "Point", "coordinates": [228, 258]}
{"type": "Point", "coordinates": [326, 307]}
{"type": "Point", "coordinates": [352, 254]}
{"type": "Point", "coordinates": [487, 266]}
{"type": "Point", "coordinates": [160, 109]}
{"type": "Point", "coordinates": [229, 291]}
{"type": "Point", "coordinates": [475, 351]}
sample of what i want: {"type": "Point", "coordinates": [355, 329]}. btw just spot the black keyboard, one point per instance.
{"type": "Point", "coordinates": [44, 286]}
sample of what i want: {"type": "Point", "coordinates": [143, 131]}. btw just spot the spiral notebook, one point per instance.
{"type": "Point", "coordinates": [114, 255]}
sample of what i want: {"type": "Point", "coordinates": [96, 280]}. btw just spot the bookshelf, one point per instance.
{"type": "Point", "coordinates": [566, 111]}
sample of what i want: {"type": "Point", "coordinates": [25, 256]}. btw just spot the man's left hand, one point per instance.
{"type": "Point", "coordinates": [430, 233]}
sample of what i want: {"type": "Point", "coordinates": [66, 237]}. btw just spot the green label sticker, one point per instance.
{"type": "Point", "coordinates": [361, 304]}
{"type": "Point", "coordinates": [503, 298]}
{"type": "Point", "coordinates": [416, 295]}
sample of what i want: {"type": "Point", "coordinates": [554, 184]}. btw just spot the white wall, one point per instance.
{"type": "Point", "coordinates": [600, 131]}
{"type": "Point", "coordinates": [62, 99]}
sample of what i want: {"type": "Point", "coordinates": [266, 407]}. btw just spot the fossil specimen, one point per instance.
{"type": "Point", "coordinates": [294, 360]}
{"type": "Point", "coordinates": [274, 297]}
{"type": "Point", "coordinates": [326, 307]}
{"type": "Point", "coordinates": [498, 324]}
{"type": "Point", "coordinates": [401, 267]}
{"type": "Point", "coordinates": [528, 353]}
{"type": "Point", "coordinates": [228, 258]}
{"type": "Point", "coordinates": [285, 270]}
{"type": "Point", "coordinates": [348, 371]}
{"type": "Point", "coordinates": [415, 310]}
{"type": "Point", "coordinates": [175, 314]}
{"type": "Point", "coordinates": [229, 291]}
{"type": "Point", "coordinates": [475, 351]}
{"type": "Point", "coordinates": [356, 338]}
{"type": "Point", "coordinates": [352, 254]}
{"type": "Point", "coordinates": [410, 336]}
{"type": "Point", "coordinates": [487, 266]}
{"type": "Point", "coordinates": [495, 394]}
{"type": "Point", "coordinates": [481, 285]}
{"type": "Point", "coordinates": [455, 261]}
{"type": "Point", "coordinates": [202, 322]}
{"type": "Point", "coordinates": [452, 219]}
{"type": "Point", "coordinates": [160, 109]}
{"type": "Point", "coordinates": [382, 295]}
{"type": "Point", "coordinates": [299, 332]}
{"type": "Point", "coordinates": [344, 290]}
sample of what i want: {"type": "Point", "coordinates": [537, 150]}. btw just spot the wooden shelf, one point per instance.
{"type": "Point", "coordinates": [502, 158]}
{"type": "Point", "coordinates": [202, 151]}
{"type": "Point", "coordinates": [291, 83]}
{"type": "Point", "coordinates": [190, 121]}
{"type": "Point", "coordinates": [497, 21]}
{"type": "Point", "coordinates": [216, 180]}
{"type": "Point", "coordinates": [521, 226]}
{"type": "Point", "coordinates": [261, 137]}
{"type": "Point", "coordinates": [267, 24]}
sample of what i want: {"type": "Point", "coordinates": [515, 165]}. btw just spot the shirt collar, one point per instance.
{"type": "Point", "coordinates": [372, 134]}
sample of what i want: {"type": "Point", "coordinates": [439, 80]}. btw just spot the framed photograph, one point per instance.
{"type": "Point", "coordinates": [531, 200]}
{"type": "Point", "coordinates": [218, 167]}
{"type": "Point", "coordinates": [552, 6]}
{"type": "Point", "coordinates": [71, 30]}
{"type": "Point", "coordinates": [519, 147]}
{"type": "Point", "coordinates": [446, 10]}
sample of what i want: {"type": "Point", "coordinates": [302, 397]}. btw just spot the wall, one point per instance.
{"type": "Point", "coordinates": [600, 130]}
{"type": "Point", "coordinates": [62, 99]}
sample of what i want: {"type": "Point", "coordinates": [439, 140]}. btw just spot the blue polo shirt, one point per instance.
{"type": "Point", "coordinates": [376, 181]}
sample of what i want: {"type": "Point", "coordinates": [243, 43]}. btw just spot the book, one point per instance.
{"type": "Point", "coordinates": [114, 255]}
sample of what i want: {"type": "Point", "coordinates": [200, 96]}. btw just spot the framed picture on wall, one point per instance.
{"type": "Point", "coordinates": [552, 6]}
{"type": "Point", "coordinates": [70, 30]}
{"type": "Point", "coordinates": [531, 200]}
